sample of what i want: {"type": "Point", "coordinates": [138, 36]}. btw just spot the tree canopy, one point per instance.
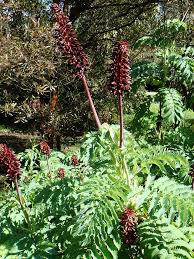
{"type": "Point", "coordinates": [33, 69]}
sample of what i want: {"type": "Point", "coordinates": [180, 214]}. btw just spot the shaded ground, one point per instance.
{"type": "Point", "coordinates": [18, 141]}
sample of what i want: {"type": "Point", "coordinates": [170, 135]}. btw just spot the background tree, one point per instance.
{"type": "Point", "coordinates": [32, 70]}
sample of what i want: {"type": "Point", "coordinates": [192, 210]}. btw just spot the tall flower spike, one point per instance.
{"type": "Point", "coordinates": [68, 42]}
{"type": "Point", "coordinates": [70, 46]}
{"type": "Point", "coordinates": [9, 161]}
{"type": "Point", "coordinates": [121, 80]}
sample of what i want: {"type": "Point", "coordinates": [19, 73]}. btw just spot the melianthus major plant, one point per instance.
{"type": "Point", "coordinates": [106, 196]}
{"type": "Point", "coordinates": [105, 201]}
{"type": "Point", "coordinates": [100, 211]}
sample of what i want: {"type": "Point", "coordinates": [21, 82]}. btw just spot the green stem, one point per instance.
{"type": "Point", "coordinates": [31, 161]}
{"type": "Point", "coordinates": [159, 122]}
{"type": "Point", "coordinates": [126, 172]}
{"type": "Point", "coordinates": [21, 203]}
{"type": "Point", "coordinates": [48, 165]}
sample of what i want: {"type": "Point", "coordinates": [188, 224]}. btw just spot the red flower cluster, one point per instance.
{"type": "Point", "coordinates": [129, 221]}
{"type": "Point", "coordinates": [44, 147]}
{"type": "Point", "coordinates": [61, 173]}
{"type": "Point", "coordinates": [68, 42]}
{"type": "Point", "coordinates": [9, 161]}
{"type": "Point", "coordinates": [74, 160]}
{"type": "Point", "coordinates": [121, 80]}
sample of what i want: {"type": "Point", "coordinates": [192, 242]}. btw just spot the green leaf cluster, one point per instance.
{"type": "Point", "coordinates": [172, 105]}
{"type": "Point", "coordinates": [167, 231]}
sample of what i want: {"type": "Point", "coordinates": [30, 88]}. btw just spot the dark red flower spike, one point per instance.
{"type": "Point", "coordinates": [121, 80]}
{"type": "Point", "coordinates": [10, 162]}
{"type": "Point", "coordinates": [69, 45]}
{"type": "Point", "coordinates": [68, 42]}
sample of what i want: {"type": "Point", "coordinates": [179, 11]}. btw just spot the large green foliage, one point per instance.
{"type": "Point", "coordinates": [166, 76]}
{"type": "Point", "coordinates": [99, 200]}
{"type": "Point", "coordinates": [172, 66]}
{"type": "Point", "coordinates": [165, 234]}
{"type": "Point", "coordinates": [141, 159]}
{"type": "Point", "coordinates": [79, 216]}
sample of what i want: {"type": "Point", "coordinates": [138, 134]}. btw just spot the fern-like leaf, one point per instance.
{"type": "Point", "coordinates": [165, 197]}
{"type": "Point", "coordinates": [172, 105]}
{"type": "Point", "coordinates": [96, 225]}
{"type": "Point", "coordinates": [167, 208]}
{"type": "Point", "coordinates": [159, 239]}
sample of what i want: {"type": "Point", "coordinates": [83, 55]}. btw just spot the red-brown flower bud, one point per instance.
{"type": "Point", "coordinates": [129, 221]}
{"type": "Point", "coordinates": [68, 42]}
{"type": "Point", "coordinates": [74, 160]}
{"type": "Point", "coordinates": [61, 173]}
{"type": "Point", "coordinates": [9, 162]}
{"type": "Point", "coordinates": [121, 80]}
{"type": "Point", "coordinates": [44, 147]}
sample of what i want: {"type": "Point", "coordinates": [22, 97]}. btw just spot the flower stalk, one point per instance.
{"type": "Point", "coordinates": [120, 102]}
{"type": "Point", "coordinates": [69, 44]}
{"type": "Point", "coordinates": [92, 106]}
{"type": "Point", "coordinates": [121, 81]}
